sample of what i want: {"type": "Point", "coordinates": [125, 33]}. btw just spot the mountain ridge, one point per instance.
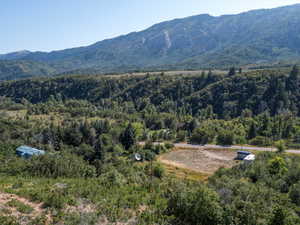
{"type": "Point", "coordinates": [195, 42]}
{"type": "Point", "coordinates": [175, 19]}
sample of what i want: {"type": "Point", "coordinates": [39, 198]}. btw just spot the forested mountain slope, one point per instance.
{"type": "Point", "coordinates": [260, 36]}
{"type": "Point", "coordinates": [259, 91]}
{"type": "Point", "coordinates": [16, 69]}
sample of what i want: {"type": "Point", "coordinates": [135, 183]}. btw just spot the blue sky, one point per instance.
{"type": "Point", "coordinates": [58, 24]}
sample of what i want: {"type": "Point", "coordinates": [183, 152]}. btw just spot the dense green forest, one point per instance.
{"type": "Point", "coordinates": [228, 96]}
{"type": "Point", "coordinates": [90, 128]}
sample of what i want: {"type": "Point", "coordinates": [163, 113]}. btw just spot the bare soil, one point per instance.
{"type": "Point", "coordinates": [22, 218]}
{"type": "Point", "coordinates": [202, 161]}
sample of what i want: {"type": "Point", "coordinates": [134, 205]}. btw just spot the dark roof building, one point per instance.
{"type": "Point", "coordinates": [27, 152]}
{"type": "Point", "coordinates": [241, 155]}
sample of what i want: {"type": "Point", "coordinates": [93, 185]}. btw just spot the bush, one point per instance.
{"type": "Point", "coordinates": [21, 207]}
{"type": "Point", "coordinates": [181, 136]}
{"type": "Point", "coordinates": [202, 136]}
{"type": "Point", "coordinates": [200, 206]}
{"type": "Point", "coordinates": [8, 220]}
{"type": "Point", "coordinates": [260, 141]}
{"type": "Point", "coordinates": [55, 200]}
{"type": "Point", "coordinates": [60, 165]}
{"type": "Point", "coordinates": [240, 140]}
{"type": "Point", "coordinates": [279, 216]}
{"type": "Point", "coordinates": [14, 167]}
{"type": "Point", "coordinates": [169, 145]}
{"type": "Point", "coordinates": [149, 145]}
{"type": "Point", "coordinates": [158, 171]}
{"type": "Point", "coordinates": [277, 166]}
{"type": "Point", "coordinates": [280, 145]}
{"type": "Point", "coordinates": [158, 149]}
{"type": "Point", "coordinates": [113, 178]}
{"type": "Point", "coordinates": [295, 194]}
{"type": "Point", "coordinates": [149, 155]}
{"type": "Point", "coordinates": [225, 138]}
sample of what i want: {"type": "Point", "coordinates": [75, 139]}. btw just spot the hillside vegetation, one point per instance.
{"type": "Point", "coordinates": [91, 127]}
{"type": "Point", "coordinates": [225, 96]}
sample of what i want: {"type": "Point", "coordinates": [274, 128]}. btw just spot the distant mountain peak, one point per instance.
{"type": "Point", "coordinates": [195, 42]}
{"type": "Point", "coordinates": [22, 51]}
{"type": "Point", "coordinates": [18, 52]}
{"type": "Point", "coordinates": [15, 55]}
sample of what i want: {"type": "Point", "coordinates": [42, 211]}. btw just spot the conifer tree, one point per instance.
{"type": "Point", "coordinates": [127, 138]}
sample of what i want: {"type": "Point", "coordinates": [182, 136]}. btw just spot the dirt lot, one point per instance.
{"type": "Point", "coordinates": [202, 161]}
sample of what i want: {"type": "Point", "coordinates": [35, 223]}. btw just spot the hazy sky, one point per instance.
{"type": "Point", "coordinates": [57, 24]}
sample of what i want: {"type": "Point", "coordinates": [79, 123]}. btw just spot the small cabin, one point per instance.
{"type": "Point", "coordinates": [241, 155]}
{"type": "Point", "coordinates": [27, 152]}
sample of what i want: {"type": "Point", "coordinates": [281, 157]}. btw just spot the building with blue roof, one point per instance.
{"type": "Point", "coordinates": [28, 152]}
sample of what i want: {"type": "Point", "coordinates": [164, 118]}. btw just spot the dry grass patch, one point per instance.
{"type": "Point", "coordinates": [204, 162]}
{"type": "Point", "coordinates": [187, 174]}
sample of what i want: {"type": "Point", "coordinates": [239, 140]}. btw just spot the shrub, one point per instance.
{"type": "Point", "coordinates": [8, 220]}
{"type": "Point", "coordinates": [200, 206]}
{"type": "Point", "coordinates": [295, 194]}
{"type": "Point", "coordinates": [149, 145]}
{"type": "Point", "coordinates": [14, 166]}
{"type": "Point", "coordinates": [280, 145]}
{"type": "Point", "coordinates": [277, 166]}
{"type": "Point", "coordinates": [261, 141]}
{"type": "Point", "coordinates": [169, 145]}
{"type": "Point", "coordinates": [225, 138]}
{"type": "Point", "coordinates": [202, 136]}
{"type": "Point", "coordinates": [149, 155]}
{"type": "Point", "coordinates": [158, 171]}
{"type": "Point", "coordinates": [181, 136]}
{"type": "Point", "coordinates": [60, 165]}
{"type": "Point", "coordinates": [55, 200]}
{"type": "Point", "coordinates": [278, 217]}
{"type": "Point", "coordinates": [113, 178]}
{"type": "Point", "coordinates": [20, 206]}
{"type": "Point", "coordinates": [158, 149]}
